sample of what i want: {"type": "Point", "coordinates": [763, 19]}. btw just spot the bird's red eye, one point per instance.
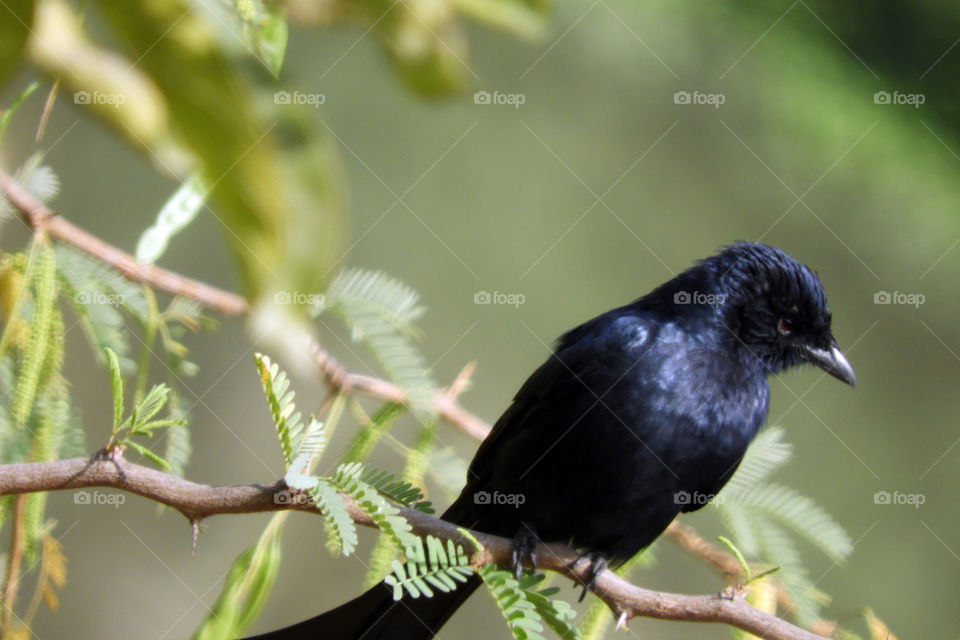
{"type": "Point", "coordinates": [784, 327]}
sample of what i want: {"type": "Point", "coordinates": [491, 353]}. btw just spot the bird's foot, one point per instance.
{"type": "Point", "coordinates": [598, 564]}
{"type": "Point", "coordinates": [524, 549]}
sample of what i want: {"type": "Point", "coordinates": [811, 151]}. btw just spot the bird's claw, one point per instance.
{"type": "Point", "coordinates": [524, 549]}
{"type": "Point", "coordinates": [598, 564]}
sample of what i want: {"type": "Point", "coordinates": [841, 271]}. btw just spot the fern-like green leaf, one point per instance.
{"type": "Point", "coordinates": [152, 403]}
{"type": "Point", "coordinates": [736, 517]}
{"type": "Point", "coordinates": [385, 516]}
{"type": "Point", "coordinates": [371, 430]}
{"type": "Point", "coordinates": [380, 311]}
{"type": "Point", "coordinates": [116, 386]}
{"type": "Point", "coordinates": [178, 449]}
{"type": "Point", "coordinates": [285, 418]}
{"type": "Point", "coordinates": [341, 529]}
{"type": "Point", "coordinates": [514, 603]}
{"type": "Point", "coordinates": [96, 283]}
{"type": "Point", "coordinates": [38, 180]}
{"type": "Point", "coordinates": [802, 515]}
{"type": "Point", "coordinates": [39, 340]}
{"type": "Point", "coordinates": [434, 567]}
{"type": "Point", "coordinates": [778, 548]}
{"type": "Point", "coordinates": [767, 453]}
{"type": "Point", "coordinates": [396, 490]}
{"type": "Point", "coordinates": [557, 614]}
{"type": "Point", "coordinates": [449, 470]}
{"type": "Point", "coordinates": [311, 441]}
{"type": "Point", "coordinates": [178, 212]}
{"type": "Point", "coordinates": [382, 295]}
{"type": "Point", "coordinates": [148, 454]}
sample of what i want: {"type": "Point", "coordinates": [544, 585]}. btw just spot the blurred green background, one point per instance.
{"type": "Point", "coordinates": [594, 190]}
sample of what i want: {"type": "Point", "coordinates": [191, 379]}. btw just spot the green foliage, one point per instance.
{"type": "Point", "coordinates": [39, 341]}
{"type": "Point", "coordinates": [178, 212]}
{"type": "Point", "coordinates": [426, 39]}
{"type": "Point", "coordinates": [97, 295]}
{"type": "Point", "coordinates": [341, 530]}
{"type": "Point", "coordinates": [766, 454]}
{"type": "Point", "coordinates": [214, 116]}
{"type": "Point", "coordinates": [438, 567]}
{"type": "Point", "coordinates": [514, 602]}
{"type": "Point", "coordinates": [14, 31]}
{"type": "Point", "coordinates": [181, 315]}
{"type": "Point", "coordinates": [295, 438]}
{"type": "Point", "coordinates": [116, 386]}
{"type": "Point", "coordinates": [247, 586]}
{"type": "Point", "coordinates": [36, 178]}
{"type": "Point", "coordinates": [397, 490]}
{"type": "Point", "coordinates": [38, 424]}
{"type": "Point", "coordinates": [7, 114]}
{"type": "Point", "coordinates": [449, 470]}
{"type": "Point", "coordinates": [371, 430]}
{"type": "Point", "coordinates": [759, 515]}
{"type": "Point", "coordinates": [380, 311]}
{"type": "Point", "coordinates": [557, 614]}
{"type": "Point", "coordinates": [264, 30]}
{"type": "Point", "coordinates": [384, 515]}
{"type": "Point", "coordinates": [142, 420]}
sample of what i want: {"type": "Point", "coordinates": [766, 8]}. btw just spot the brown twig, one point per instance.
{"type": "Point", "coordinates": [198, 501]}
{"type": "Point", "coordinates": [41, 218]}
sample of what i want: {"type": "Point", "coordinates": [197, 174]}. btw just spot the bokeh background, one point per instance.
{"type": "Point", "coordinates": [598, 187]}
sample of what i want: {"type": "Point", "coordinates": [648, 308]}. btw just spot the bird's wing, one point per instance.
{"type": "Point", "coordinates": [585, 356]}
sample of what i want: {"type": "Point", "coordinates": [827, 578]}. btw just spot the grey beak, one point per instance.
{"type": "Point", "coordinates": [833, 362]}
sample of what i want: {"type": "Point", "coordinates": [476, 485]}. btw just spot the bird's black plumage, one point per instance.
{"type": "Point", "coordinates": [639, 414]}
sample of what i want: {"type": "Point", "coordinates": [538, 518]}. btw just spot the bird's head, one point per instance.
{"type": "Point", "coordinates": [776, 309]}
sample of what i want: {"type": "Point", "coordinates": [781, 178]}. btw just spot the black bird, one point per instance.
{"type": "Point", "coordinates": [639, 414]}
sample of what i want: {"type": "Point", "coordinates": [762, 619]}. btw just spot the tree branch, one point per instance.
{"type": "Point", "coordinates": [198, 501]}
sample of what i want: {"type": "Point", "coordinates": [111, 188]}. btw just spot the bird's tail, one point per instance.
{"type": "Point", "coordinates": [375, 615]}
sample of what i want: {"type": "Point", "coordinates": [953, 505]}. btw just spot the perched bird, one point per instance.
{"type": "Point", "coordinates": [639, 414]}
